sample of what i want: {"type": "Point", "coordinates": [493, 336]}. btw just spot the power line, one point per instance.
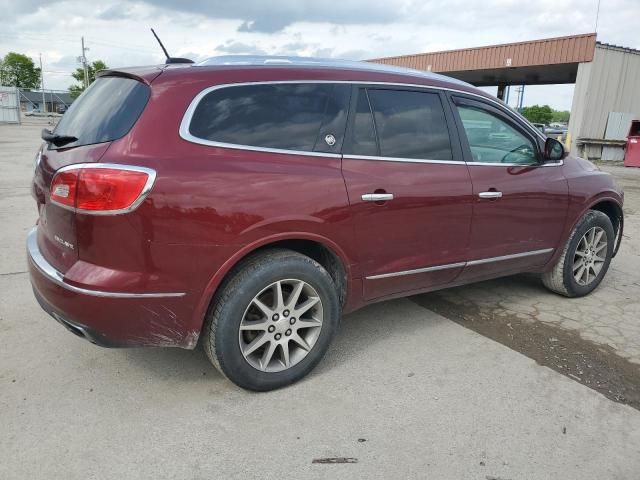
{"type": "Point", "coordinates": [52, 39]}
{"type": "Point", "coordinates": [136, 48]}
{"type": "Point", "coordinates": [35, 37]}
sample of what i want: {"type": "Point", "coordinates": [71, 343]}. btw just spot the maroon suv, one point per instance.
{"type": "Point", "coordinates": [250, 202]}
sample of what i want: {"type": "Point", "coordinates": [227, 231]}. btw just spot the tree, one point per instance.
{"type": "Point", "coordinates": [18, 70]}
{"type": "Point", "coordinates": [538, 114]}
{"type": "Point", "coordinates": [561, 116]}
{"type": "Point", "coordinates": [92, 69]}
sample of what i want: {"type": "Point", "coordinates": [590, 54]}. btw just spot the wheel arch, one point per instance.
{"type": "Point", "coordinates": [613, 210]}
{"type": "Point", "coordinates": [605, 203]}
{"type": "Point", "coordinates": [320, 249]}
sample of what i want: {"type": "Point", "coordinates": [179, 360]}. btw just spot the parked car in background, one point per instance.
{"type": "Point", "coordinates": [559, 134]}
{"type": "Point", "coordinates": [250, 202]}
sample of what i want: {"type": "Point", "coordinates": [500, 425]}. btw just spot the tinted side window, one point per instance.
{"type": "Point", "coordinates": [410, 124]}
{"type": "Point", "coordinates": [106, 111]}
{"type": "Point", "coordinates": [492, 140]}
{"type": "Point", "coordinates": [363, 137]}
{"type": "Point", "coordinates": [305, 117]}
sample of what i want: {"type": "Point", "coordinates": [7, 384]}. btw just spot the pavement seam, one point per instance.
{"type": "Point", "coordinates": [12, 273]}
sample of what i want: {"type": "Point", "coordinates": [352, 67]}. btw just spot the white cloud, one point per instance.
{"type": "Point", "coordinates": [117, 31]}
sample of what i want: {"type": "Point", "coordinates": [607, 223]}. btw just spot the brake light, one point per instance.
{"type": "Point", "coordinates": [101, 188]}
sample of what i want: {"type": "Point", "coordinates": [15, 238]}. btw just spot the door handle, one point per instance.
{"type": "Point", "coordinates": [377, 197]}
{"type": "Point", "coordinates": [490, 195]}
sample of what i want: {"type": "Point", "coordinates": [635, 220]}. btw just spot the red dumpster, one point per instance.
{"type": "Point", "coordinates": [632, 154]}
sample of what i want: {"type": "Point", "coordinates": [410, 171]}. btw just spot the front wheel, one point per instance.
{"type": "Point", "coordinates": [272, 321]}
{"type": "Point", "coordinates": [585, 258]}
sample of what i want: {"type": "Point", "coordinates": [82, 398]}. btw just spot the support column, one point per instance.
{"type": "Point", "coordinates": [502, 88]}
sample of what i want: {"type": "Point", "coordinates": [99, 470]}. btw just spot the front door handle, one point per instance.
{"type": "Point", "coordinates": [490, 195]}
{"type": "Point", "coordinates": [377, 197]}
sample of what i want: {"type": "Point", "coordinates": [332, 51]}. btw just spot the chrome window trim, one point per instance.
{"type": "Point", "coordinates": [461, 264]}
{"type": "Point", "coordinates": [185, 134]}
{"type": "Point", "coordinates": [499, 164]}
{"type": "Point", "coordinates": [400, 159]}
{"type": "Point", "coordinates": [131, 168]}
{"type": "Point", "coordinates": [188, 115]}
{"type": "Point", "coordinates": [49, 271]}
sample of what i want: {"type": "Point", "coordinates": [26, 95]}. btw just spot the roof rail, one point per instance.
{"type": "Point", "coordinates": [290, 61]}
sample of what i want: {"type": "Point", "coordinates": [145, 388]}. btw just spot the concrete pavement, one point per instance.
{"type": "Point", "coordinates": [403, 391]}
{"type": "Point", "coordinates": [609, 316]}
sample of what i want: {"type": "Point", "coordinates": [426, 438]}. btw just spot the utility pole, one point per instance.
{"type": "Point", "coordinates": [44, 102]}
{"type": "Point", "coordinates": [83, 59]}
{"type": "Point", "coordinates": [521, 99]}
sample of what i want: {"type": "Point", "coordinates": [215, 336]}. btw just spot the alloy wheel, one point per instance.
{"type": "Point", "coordinates": [281, 325]}
{"type": "Point", "coordinates": [590, 256]}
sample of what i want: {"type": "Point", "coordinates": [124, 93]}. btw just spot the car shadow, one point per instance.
{"type": "Point", "coordinates": [358, 332]}
{"type": "Point", "coordinates": [172, 363]}
{"type": "Point", "coordinates": [385, 322]}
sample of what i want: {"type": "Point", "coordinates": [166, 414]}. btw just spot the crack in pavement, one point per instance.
{"type": "Point", "coordinates": [594, 365]}
{"type": "Point", "coordinates": [12, 273]}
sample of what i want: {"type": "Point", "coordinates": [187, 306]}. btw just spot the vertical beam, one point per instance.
{"type": "Point", "coordinates": [501, 91]}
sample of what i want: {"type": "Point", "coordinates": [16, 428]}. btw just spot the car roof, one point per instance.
{"type": "Point", "coordinates": [229, 69]}
{"type": "Point", "coordinates": [324, 63]}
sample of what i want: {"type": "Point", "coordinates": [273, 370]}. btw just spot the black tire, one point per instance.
{"type": "Point", "coordinates": [561, 279]}
{"type": "Point", "coordinates": [221, 329]}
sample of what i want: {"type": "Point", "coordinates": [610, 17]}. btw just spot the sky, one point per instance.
{"type": "Point", "coordinates": [118, 31]}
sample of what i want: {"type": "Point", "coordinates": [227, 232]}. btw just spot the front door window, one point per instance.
{"type": "Point", "coordinates": [493, 140]}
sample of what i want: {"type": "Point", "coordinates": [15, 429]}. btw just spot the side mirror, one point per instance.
{"type": "Point", "coordinates": [553, 150]}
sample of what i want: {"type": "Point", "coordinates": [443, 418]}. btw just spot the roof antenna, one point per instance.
{"type": "Point", "coordinates": [166, 54]}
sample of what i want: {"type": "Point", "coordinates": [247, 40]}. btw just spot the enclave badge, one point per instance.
{"type": "Point", "coordinates": [62, 242]}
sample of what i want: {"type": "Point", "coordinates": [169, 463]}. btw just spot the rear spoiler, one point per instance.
{"type": "Point", "coordinates": [141, 74]}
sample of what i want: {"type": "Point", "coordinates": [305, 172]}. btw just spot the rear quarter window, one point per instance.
{"type": "Point", "coordinates": [106, 111]}
{"type": "Point", "coordinates": [303, 117]}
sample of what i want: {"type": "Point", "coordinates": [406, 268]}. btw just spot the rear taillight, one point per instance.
{"type": "Point", "coordinates": [101, 188]}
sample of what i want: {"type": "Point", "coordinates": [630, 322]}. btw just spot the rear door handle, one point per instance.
{"type": "Point", "coordinates": [490, 195]}
{"type": "Point", "coordinates": [377, 197]}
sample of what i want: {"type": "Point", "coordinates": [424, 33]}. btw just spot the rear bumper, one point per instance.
{"type": "Point", "coordinates": [110, 318]}
{"type": "Point", "coordinates": [77, 329]}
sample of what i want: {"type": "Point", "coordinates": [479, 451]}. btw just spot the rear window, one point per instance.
{"type": "Point", "coordinates": [302, 117]}
{"type": "Point", "coordinates": [410, 124]}
{"type": "Point", "coordinates": [106, 111]}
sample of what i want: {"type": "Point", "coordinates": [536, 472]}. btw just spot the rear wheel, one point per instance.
{"type": "Point", "coordinates": [585, 258]}
{"type": "Point", "coordinates": [272, 321]}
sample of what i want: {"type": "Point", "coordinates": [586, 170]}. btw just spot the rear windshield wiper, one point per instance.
{"type": "Point", "coordinates": [58, 140]}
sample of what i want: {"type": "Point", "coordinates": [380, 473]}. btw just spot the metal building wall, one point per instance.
{"type": "Point", "coordinates": [611, 83]}
{"type": "Point", "coordinates": [9, 105]}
